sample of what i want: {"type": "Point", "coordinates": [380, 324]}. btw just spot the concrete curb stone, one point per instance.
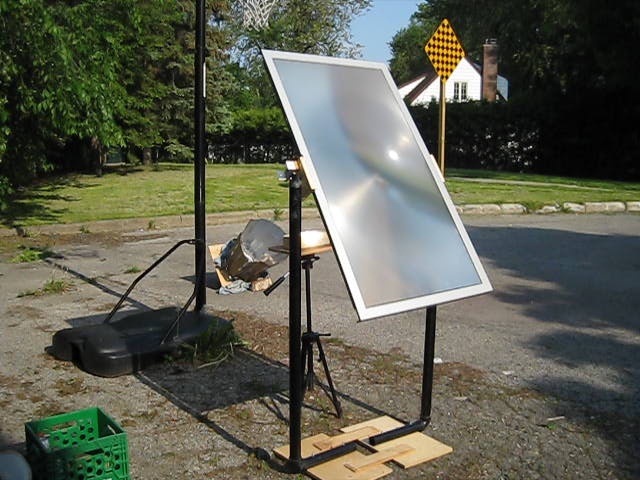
{"type": "Point", "coordinates": [570, 207]}
{"type": "Point", "coordinates": [481, 209]}
{"type": "Point", "coordinates": [547, 209]}
{"type": "Point", "coordinates": [604, 207]}
{"type": "Point", "coordinates": [186, 221]}
{"type": "Point", "coordinates": [512, 209]}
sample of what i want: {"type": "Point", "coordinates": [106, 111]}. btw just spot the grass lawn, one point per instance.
{"type": "Point", "coordinates": [146, 192]}
{"type": "Point", "coordinates": [129, 192]}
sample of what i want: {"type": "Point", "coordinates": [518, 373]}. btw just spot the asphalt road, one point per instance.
{"type": "Point", "coordinates": [563, 316]}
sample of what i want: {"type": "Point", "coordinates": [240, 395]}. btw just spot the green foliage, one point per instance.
{"type": "Point", "coordinates": [307, 26]}
{"type": "Point", "coordinates": [51, 287]}
{"type": "Point", "coordinates": [215, 345]}
{"type": "Point", "coordinates": [79, 77]}
{"type": "Point", "coordinates": [408, 59]}
{"type": "Point", "coordinates": [258, 135]}
{"type": "Point", "coordinates": [278, 214]}
{"type": "Point", "coordinates": [569, 69]}
{"type": "Point", "coordinates": [493, 136]}
{"type": "Point", "coordinates": [5, 192]}
{"type": "Point", "coordinates": [29, 254]}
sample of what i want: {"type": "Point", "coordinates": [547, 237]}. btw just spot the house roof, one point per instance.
{"type": "Point", "coordinates": [429, 76]}
{"type": "Point", "coordinates": [427, 79]}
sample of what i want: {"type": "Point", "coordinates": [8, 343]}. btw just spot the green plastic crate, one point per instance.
{"type": "Point", "coordinates": [83, 445]}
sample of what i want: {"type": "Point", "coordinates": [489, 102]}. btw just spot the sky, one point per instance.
{"type": "Point", "coordinates": [377, 26]}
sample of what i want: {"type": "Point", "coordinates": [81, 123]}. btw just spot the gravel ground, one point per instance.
{"type": "Point", "coordinates": [188, 422]}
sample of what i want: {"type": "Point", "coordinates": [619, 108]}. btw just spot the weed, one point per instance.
{"type": "Point", "coordinates": [56, 286]}
{"type": "Point", "coordinates": [151, 225]}
{"type": "Point", "coordinates": [133, 269]}
{"type": "Point", "coordinates": [28, 255]}
{"type": "Point", "coordinates": [23, 232]}
{"type": "Point", "coordinates": [84, 229]}
{"type": "Point", "coordinates": [50, 287]}
{"type": "Point", "coordinates": [278, 214]}
{"type": "Point", "coordinates": [27, 293]}
{"type": "Point", "coordinates": [215, 345]}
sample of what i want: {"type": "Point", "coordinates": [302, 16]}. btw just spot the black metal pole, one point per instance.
{"type": "Point", "coordinates": [427, 386]}
{"type": "Point", "coordinates": [427, 368]}
{"type": "Point", "coordinates": [295, 287]}
{"type": "Point", "coordinates": [200, 150]}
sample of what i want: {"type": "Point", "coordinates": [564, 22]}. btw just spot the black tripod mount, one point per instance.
{"type": "Point", "coordinates": [309, 338]}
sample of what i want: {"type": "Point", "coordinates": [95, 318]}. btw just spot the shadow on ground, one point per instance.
{"type": "Point", "coordinates": [588, 287]}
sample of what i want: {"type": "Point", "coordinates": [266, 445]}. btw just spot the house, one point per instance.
{"type": "Point", "coordinates": [465, 83]}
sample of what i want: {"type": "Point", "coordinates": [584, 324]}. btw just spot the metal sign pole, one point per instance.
{"type": "Point", "coordinates": [441, 124]}
{"type": "Point", "coordinates": [200, 148]}
{"type": "Point", "coordinates": [445, 52]}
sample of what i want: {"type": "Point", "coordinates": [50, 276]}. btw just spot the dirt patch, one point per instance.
{"type": "Point", "coordinates": [11, 245]}
{"type": "Point", "coordinates": [189, 422]}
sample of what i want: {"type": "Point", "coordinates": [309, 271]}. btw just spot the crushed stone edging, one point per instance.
{"type": "Point", "coordinates": [567, 207]}
{"type": "Point", "coordinates": [186, 221]}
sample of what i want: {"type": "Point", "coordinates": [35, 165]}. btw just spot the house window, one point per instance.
{"type": "Point", "coordinates": [460, 91]}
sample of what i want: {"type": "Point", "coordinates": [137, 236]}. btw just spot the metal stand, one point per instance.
{"type": "Point", "coordinates": [309, 337]}
{"type": "Point", "coordinates": [296, 463]}
{"type": "Point", "coordinates": [199, 156]}
{"type": "Point", "coordinates": [295, 371]}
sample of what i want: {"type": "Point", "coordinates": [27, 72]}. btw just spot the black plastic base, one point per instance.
{"type": "Point", "coordinates": [129, 344]}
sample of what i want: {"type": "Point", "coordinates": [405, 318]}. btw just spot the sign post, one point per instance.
{"type": "Point", "coordinates": [445, 52]}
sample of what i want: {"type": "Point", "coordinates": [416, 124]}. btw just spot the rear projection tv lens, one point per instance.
{"type": "Point", "coordinates": [397, 236]}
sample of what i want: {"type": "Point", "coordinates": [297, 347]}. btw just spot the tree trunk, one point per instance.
{"type": "Point", "coordinates": [146, 156]}
{"type": "Point", "coordinates": [98, 155]}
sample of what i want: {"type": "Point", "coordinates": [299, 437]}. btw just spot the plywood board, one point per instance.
{"type": "Point", "coordinates": [319, 443]}
{"type": "Point", "coordinates": [383, 456]}
{"type": "Point", "coordinates": [382, 424]}
{"type": "Point", "coordinates": [215, 251]}
{"type": "Point", "coordinates": [307, 447]}
{"type": "Point", "coordinates": [425, 449]}
{"type": "Point", "coordinates": [336, 469]}
{"type": "Point", "coordinates": [358, 434]}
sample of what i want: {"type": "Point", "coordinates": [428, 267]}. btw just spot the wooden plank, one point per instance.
{"type": "Point", "coordinates": [382, 456]}
{"type": "Point", "coordinates": [333, 442]}
{"type": "Point", "coordinates": [307, 448]}
{"type": "Point", "coordinates": [303, 251]}
{"type": "Point", "coordinates": [425, 449]}
{"type": "Point", "coordinates": [382, 424]}
{"type": "Point", "coordinates": [214, 251]}
{"type": "Point", "coordinates": [336, 469]}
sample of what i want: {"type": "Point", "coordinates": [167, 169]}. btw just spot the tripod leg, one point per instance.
{"type": "Point", "coordinates": [307, 358]}
{"type": "Point", "coordinates": [334, 396]}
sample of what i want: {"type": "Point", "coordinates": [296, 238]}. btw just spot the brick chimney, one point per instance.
{"type": "Point", "coordinates": [490, 70]}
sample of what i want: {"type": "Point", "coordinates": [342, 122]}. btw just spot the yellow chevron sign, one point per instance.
{"type": "Point", "coordinates": [444, 50]}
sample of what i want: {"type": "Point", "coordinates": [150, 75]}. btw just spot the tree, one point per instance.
{"type": "Point", "coordinates": [408, 59]}
{"type": "Point", "coordinates": [78, 77]}
{"type": "Point", "coordinates": [307, 26]}
{"type": "Point", "coordinates": [570, 60]}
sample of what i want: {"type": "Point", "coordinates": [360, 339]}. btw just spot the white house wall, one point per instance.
{"type": "Point", "coordinates": [405, 89]}
{"type": "Point", "coordinates": [503, 87]}
{"type": "Point", "coordinates": [464, 72]}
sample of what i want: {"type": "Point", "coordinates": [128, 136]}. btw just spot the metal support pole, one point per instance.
{"type": "Point", "coordinates": [310, 380]}
{"type": "Point", "coordinates": [441, 125]}
{"type": "Point", "coordinates": [427, 387]}
{"type": "Point", "coordinates": [427, 367]}
{"type": "Point", "coordinates": [200, 151]}
{"type": "Point", "coordinates": [295, 287]}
